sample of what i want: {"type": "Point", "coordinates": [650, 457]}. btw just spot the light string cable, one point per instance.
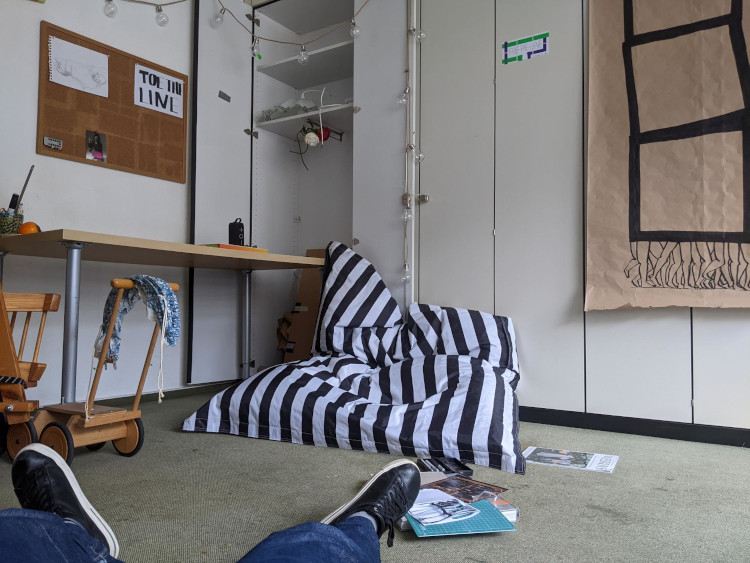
{"type": "Point", "coordinates": [161, 4]}
{"type": "Point", "coordinates": [410, 148]}
{"type": "Point", "coordinates": [256, 36]}
{"type": "Point", "coordinates": [162, 329]}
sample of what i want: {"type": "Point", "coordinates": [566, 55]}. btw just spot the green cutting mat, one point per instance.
{"type": "Point", "coordinates": [488, 520]}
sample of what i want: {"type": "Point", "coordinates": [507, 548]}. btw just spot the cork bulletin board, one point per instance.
{"type": "Point", "coordinates": [103, 107]}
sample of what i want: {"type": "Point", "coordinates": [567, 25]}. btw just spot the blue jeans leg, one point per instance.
{"type": "Point", "coordinates": [30, 536]}
{"type": "Point", "coordinates": [353, 539]}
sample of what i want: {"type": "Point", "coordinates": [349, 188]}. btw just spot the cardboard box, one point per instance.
{"type": "Point", "coordinates": [297, 328]}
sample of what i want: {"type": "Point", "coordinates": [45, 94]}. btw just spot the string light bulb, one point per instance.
{"type": "Point", "coordinates": [218, 17]}
{"type": "Point", "coordinates": [162, 18]}
{"type": "Point", "coordinates": [418, 33]}
{"type": "Point", "coordinates": [303, 57]}
{"type": "Point", "coordinates": [407, 215]}
{"type": "Point", "coordinates": [404, 98]}
{"type": "Point", "coordinates": [354, 30]}
{"type": "Point", "coordinates": [406, 273]}
{"type": "Point", "coordinates": [418, 157]}
{"type": "Point", "coordinates": [110, 9]}
{"type": "Point", "coordinates": [255, 49]}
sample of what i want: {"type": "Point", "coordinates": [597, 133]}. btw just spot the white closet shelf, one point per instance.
{"type": "Point", "coordinates": [326, 64]}
{"type": "Point", "coordinates": [304, 16]}
{"type": "Point", "coordinates": [337, 117]}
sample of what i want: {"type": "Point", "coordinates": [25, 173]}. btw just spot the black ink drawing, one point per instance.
{"type": "Point", "coordinates": [693, 265]}
{"type": "Point", "coordinates": [78, 67]}
{"type": "Point", "coordinates": [88, 78]}
{"type": "Point", "coordinates": [692, 259]}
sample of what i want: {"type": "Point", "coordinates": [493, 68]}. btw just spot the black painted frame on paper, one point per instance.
{"type": "Point", "coordinates": [735, 121]}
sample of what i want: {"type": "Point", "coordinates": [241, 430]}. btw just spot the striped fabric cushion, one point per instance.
{"type": "Point", "coordinates": [441, 384]}
{"type": "Point", "coordinates": [356, 308]}
{"type": "Point", "coordinates": [448, 330]}
{"type": "Point", "coordinates": [12, 380]}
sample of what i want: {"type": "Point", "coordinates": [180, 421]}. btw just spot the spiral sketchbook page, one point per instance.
{"type": "Point", "coordinates": [78, 67]}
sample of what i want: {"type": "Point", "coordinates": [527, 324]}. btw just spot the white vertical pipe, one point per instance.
{"type": "Point", "coordinates": [411, 166]}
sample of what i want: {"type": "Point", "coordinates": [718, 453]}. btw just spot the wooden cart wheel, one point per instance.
{"type": "Point", "coordinates": [19, 436]}
{"type": "Point", "coordinates": [59, 438]}
{"type": "Point", "coordinates": [95, 447]}
{"type": "Point", "coordinates": [133, 440]}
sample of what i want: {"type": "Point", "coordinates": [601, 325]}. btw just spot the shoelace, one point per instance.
{"type": "Point", "coordinates": [398, 501]}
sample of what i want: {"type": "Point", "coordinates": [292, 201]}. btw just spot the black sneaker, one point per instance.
{"type": "Point", "coordinates": [43, 481]}
{"type": "Point", "coordinates": [386, 497]}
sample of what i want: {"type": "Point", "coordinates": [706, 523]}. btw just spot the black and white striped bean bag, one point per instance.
{"type": "Point", "coordinates": [440, 384]}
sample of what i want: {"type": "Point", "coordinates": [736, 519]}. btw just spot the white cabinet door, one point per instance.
{"type": "Point", "coordinates": [638, 363]}
{"type": "Point", "coordinates": [457, 105]}
{"type": "Point", "coordinates": [538, 199]}
{"type": "Point", "coordinates": [222, 188]}
{"type": "Point", "coordinates": [721, 357]}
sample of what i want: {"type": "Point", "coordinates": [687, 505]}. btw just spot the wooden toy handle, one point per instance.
{"type": "Point", "coordinates": [118, 283]}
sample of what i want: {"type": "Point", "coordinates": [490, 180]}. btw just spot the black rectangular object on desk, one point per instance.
{"type": "Point", "coordinates": [237, 232]}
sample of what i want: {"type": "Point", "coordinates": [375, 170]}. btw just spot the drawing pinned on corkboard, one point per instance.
{"type": "Point", "coordinates": [78, 67]}
{"type": "Point", "coordinates": [87, 88]}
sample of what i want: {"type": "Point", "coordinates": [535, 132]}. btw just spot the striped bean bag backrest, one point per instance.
{"type": "Point", "coordinates": [358, 315]}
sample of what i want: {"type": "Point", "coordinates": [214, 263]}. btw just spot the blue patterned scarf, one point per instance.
{"type": "Point", "coordinates": [162, 307]}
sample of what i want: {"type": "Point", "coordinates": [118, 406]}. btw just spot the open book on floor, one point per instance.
{"type": "Point", "coordinates": [436, 513]}
{"type": "Point", "coordinates": [469, 491]}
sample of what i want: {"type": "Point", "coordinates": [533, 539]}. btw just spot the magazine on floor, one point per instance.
{"type": "Point", "coordinates": [436, 507]}
{"type": "Point", "coordinates": [436, 513]}
{"type": "Point", "coordinates": [469, 491]}
{"type": "Point", "coordinates": [601, 463]}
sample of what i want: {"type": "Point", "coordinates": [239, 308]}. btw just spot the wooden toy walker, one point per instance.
{"type": "Point", "coordinates": [16, 428]}
{"type": "Point", "coordinates": [67, 426]}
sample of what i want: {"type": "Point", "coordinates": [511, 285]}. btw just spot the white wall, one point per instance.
{"type": "Point", "coordinates": [64, 194]}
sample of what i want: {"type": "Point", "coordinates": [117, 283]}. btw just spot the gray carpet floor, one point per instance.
{"type": "Point", "coordinates": [207, 497]}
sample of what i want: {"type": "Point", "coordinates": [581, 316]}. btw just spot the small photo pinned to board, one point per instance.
{"type": "Point", "coordinates": [96, 146]}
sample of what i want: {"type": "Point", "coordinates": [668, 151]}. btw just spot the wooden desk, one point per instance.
{"type": "Point", "coordinates": [75, 246]}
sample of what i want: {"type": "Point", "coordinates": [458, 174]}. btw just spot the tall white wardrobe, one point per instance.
{"type": "Point", "coordinates": [504, 169]}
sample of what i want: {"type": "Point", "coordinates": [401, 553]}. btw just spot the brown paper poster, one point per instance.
{"type": "Point", "coordinates": [668, 203]}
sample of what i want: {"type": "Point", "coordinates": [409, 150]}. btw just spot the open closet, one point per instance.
{"type": "Point", "coordinates": [301, 145]}
{"type": "Point", "coordinates": [302, 193]}
{"type": "Point", "coordinates": [292, 195]}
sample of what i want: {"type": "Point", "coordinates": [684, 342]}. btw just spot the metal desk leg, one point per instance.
{"type": "Point", "coordinates": [70, 326]}
{"type": "Point", "coordinates": [2, 256]}
{"type": "Point", "coordinates": [245, 365]}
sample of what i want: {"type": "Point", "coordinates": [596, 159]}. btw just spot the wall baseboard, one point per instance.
{"type": "Point", "coordinates": [657, 428]}
{"type": "Point", "coordinates": [195, 389]}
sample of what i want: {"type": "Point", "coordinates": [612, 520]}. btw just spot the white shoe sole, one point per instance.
{"type": "Point", "coordinates": [96, 518]}
{"type": "Point", "coordinates": [340, 510]}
